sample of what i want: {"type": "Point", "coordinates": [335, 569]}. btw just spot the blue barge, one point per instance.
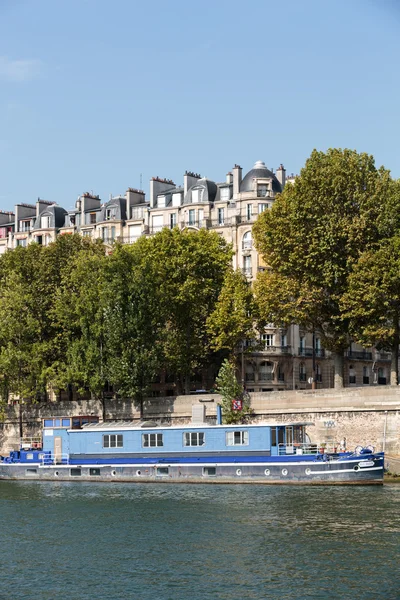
{"type": "Point", "coordinates": [81, 448]}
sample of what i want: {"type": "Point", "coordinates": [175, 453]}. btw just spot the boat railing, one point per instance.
{"type": "Point", "coordinates": [31, 443]}
{"type": "Point", "coordinates": [297, 448]}
{"type": "Point", "coordinates": [61, 459]}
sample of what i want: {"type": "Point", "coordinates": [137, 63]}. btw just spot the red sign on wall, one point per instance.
{"type": "Point", "coordinates": [237, 404]}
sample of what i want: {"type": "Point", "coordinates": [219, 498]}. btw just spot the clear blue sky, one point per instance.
{"type": "Point", "coordinates": [94, 93]}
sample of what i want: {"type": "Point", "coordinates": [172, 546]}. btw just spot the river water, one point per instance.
{"type": "Point", "coordinates": [196, 542]}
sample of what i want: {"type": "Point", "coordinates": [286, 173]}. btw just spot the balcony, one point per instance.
{"type": "Point", "coordinates": [198, 224]}
{"type": "Point", "coordinates": [277, 349]}
{"type": "Point", "coordinates": [359, 355]}
{"type": "Point", "coordinates": [308, 352]}
{"type": "Point", "coordinates": [384, 356]}
{"type": "Point", "coordinates": [225, 222]}
{"type": "Point", "coordinates": [265, 376]}
{"type": "Point", "coordinates": [247, 245]}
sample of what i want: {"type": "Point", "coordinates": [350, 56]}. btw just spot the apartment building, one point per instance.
{"type": "Point", "coordinates": [283, 358]}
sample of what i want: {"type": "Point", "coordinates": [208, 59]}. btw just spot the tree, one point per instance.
{"type": "Point", "coordinates": [133, 322]}
{"type": "Point", "coordinates": [232, 320]}
{"type": "Point", "coordinates": [338, 207]}
{"type": "Point", "coordinates": [188, 269]}
{"type": "Point", "coordinates": [372, 302]}
{"type": "Point", "coordinates": [229, 388]}
{"type": "Point", "coordinates": [78, 314]}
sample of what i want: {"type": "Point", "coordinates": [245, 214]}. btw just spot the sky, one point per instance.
{"type": "Point", "coordinates": [101, 95]}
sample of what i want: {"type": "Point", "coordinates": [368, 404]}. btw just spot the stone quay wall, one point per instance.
{"type": "Point", "coordinates": [361, 415]}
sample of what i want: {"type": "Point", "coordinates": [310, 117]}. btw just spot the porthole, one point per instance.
{"type": "Point", "coordinates": [267, 472]}
{"type": "Point", "coordinates": [56, 473]}
{"type": "Point", "coordinates": [238, 472]}
{"type": "Point", "coordinates": [138, 473]}
{"type": "Point", "coordinates": [113, 473]}
{"type": "Point", "coordinates": [284, 472]}
{"type": "Point", "coordinates": [308, 471]}
{"type": "Point", "coordinates": [356, 468]}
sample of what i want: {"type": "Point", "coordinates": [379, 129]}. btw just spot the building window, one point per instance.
{"type": "Point", "coordinates": [283, 340]}
{"type": "Point", "coordinates": [192, 216]}
{"type": "Point", "coordinates": [172, 220]}
{"type": "Point", "coordinates": [113, 440]}
{"type": "Point", "coordinates": [92, 218]}
{"type": "Point", "coordinates": [224, 193]}
{"type": "Point", "coordinates": [111, 214]}
{"type": "Point", "coordinates": [247, 270]}
{"type": "Point", "coordinates": [176, 199]}
{"type": "Point", "coordinates": [318, 374]}
{"type": "Point", "coordinates": [268, 339]}
{"type": "Point", "coordinates": [262, 208]}
{"type": "Point", "coordinates": [25, 225]}
{"type": "Point", "coordinates": [193, 438]}
{"type": "Point", "coordinates": [237, 438]}
{"type": "Point", "coordinates": [45, 222]}
{"type": "Point", "coordinates": [352, 375]}
{"type": "Point", "coordinates": [152, 440]}
{"type": "Point", "coordinates": [112, 234]}
{"type": "Point", "coordinates": [262, 190]}
{"type": "Point", "coordinates": [21, 242]}
{"type": "Point", "coordinates": [302, 373]}
{"type": "Point", "coordinates": [161, 201]}
{"type": "Point", "coordinates": [201, 217]}
{"type": "Point", "coordinates": [87, 233]}
{"type": "Point", "coordinates": [365, 376]}
{"type": "Point", "coordinates": [221, 217]}
{"type": "Point", "coordinates": [381, 376]}
{"type": "Point", "coordinates": [247, 241]}
{"type": "Point", "coordinates": [249, 210]}
{"type": "Point", "coordinates": [266, 371]}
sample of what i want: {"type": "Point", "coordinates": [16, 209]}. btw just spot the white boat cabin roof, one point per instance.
{"type": "Point", "coordinates": [134, 425]}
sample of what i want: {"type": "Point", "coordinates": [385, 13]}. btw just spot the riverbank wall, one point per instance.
{"type": "Point", "coordinates": [362, 416]}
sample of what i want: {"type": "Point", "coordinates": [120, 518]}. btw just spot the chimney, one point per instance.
{"type": "Point", "coordinates": [189, 179]}
{"type": "Point", "coordinates": [237, 179]}
{"type": "Point", "coordinates": [229, 177]}
{"type": "Point", "coordinates": [281, 175]}
{"type": "Point", "coordinates": [158, 186]}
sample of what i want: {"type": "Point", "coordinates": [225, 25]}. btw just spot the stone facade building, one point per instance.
{"type": "Point", "coordinates": [284, 358]}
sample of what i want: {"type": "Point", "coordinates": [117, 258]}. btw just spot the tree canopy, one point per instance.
{"type": "Point", "coordinates": [338, 207]}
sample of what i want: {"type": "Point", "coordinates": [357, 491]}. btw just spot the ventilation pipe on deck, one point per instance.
{"type": "Point", "coordinates": [219, 414]}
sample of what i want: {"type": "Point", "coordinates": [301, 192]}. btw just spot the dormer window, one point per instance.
{"type": "Point", "coordinates": [45, 223]}
{"type": "Point", "coordinates": [224, 194]}
{"type": "Point", "coordinates": [161, 201]}
{"type": "Point", "coordinates": [197, 195]}
{"type": "Point", "coordinates": [111, 213]}
{"type": "Point", "coordinates": [262, 190]}
{"type": "Point", "coordinates": [176, 199]}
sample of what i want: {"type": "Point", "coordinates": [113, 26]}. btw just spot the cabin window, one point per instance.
{"type": "Point", "coordinates": [209, 471]}
{"type": "Point", "coordinates": [66, 422]}
{"type": "Point", "coordinates": [30, 471]}
{"type": "Point", "coordinates": [94, 472]}
{"type": "Point", "coordinates": [151, 440]}
{"type": "Point", "coordinates": [113, 441]}
{"type": "Point", "coordinates": [48, 422]}
{"type": "Point", "coordinates": [237, 438]}
{"type": "Point", "coordinates": [193, 438]}
{"type": "Point", "coordinates": [162, 471]}
{"type": "Point", "coordinates": [76, 472]}
{"type": "Point", "coordinates": [273, 436]}
{"type": "Point", "coordinates": [29, 456]}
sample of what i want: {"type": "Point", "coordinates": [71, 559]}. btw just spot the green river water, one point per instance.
{"type": "Point", "coordinates": [197, 542]}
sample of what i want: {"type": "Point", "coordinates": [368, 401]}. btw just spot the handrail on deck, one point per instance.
{"type": "Point", "coordinates": [61, 459]}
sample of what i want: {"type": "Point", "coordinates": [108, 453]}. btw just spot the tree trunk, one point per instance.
{"type": "Point", "coordinates": [338, 364]}
{"type": "Point", "coordinates": [394, 367]}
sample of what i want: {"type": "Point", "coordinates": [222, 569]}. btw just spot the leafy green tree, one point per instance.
{"type": "Point", "coordinates": [230, 389]}
{"type": "Point", "coordinates": [232, 320]}
{"type": "Point", "coordinates": [78, 314]}
{"type": "Point", "coordinates": [372, 302]}
{"type": "Point", "coordinates": [339, 206]}
{"type": "Point", "coordinates": [133, 322]}
{"type": "Point", "coordinates": [189, 269]}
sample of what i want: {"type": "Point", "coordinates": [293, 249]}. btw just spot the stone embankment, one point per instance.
{"type": "Point", "coordinates": [361, 415]}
